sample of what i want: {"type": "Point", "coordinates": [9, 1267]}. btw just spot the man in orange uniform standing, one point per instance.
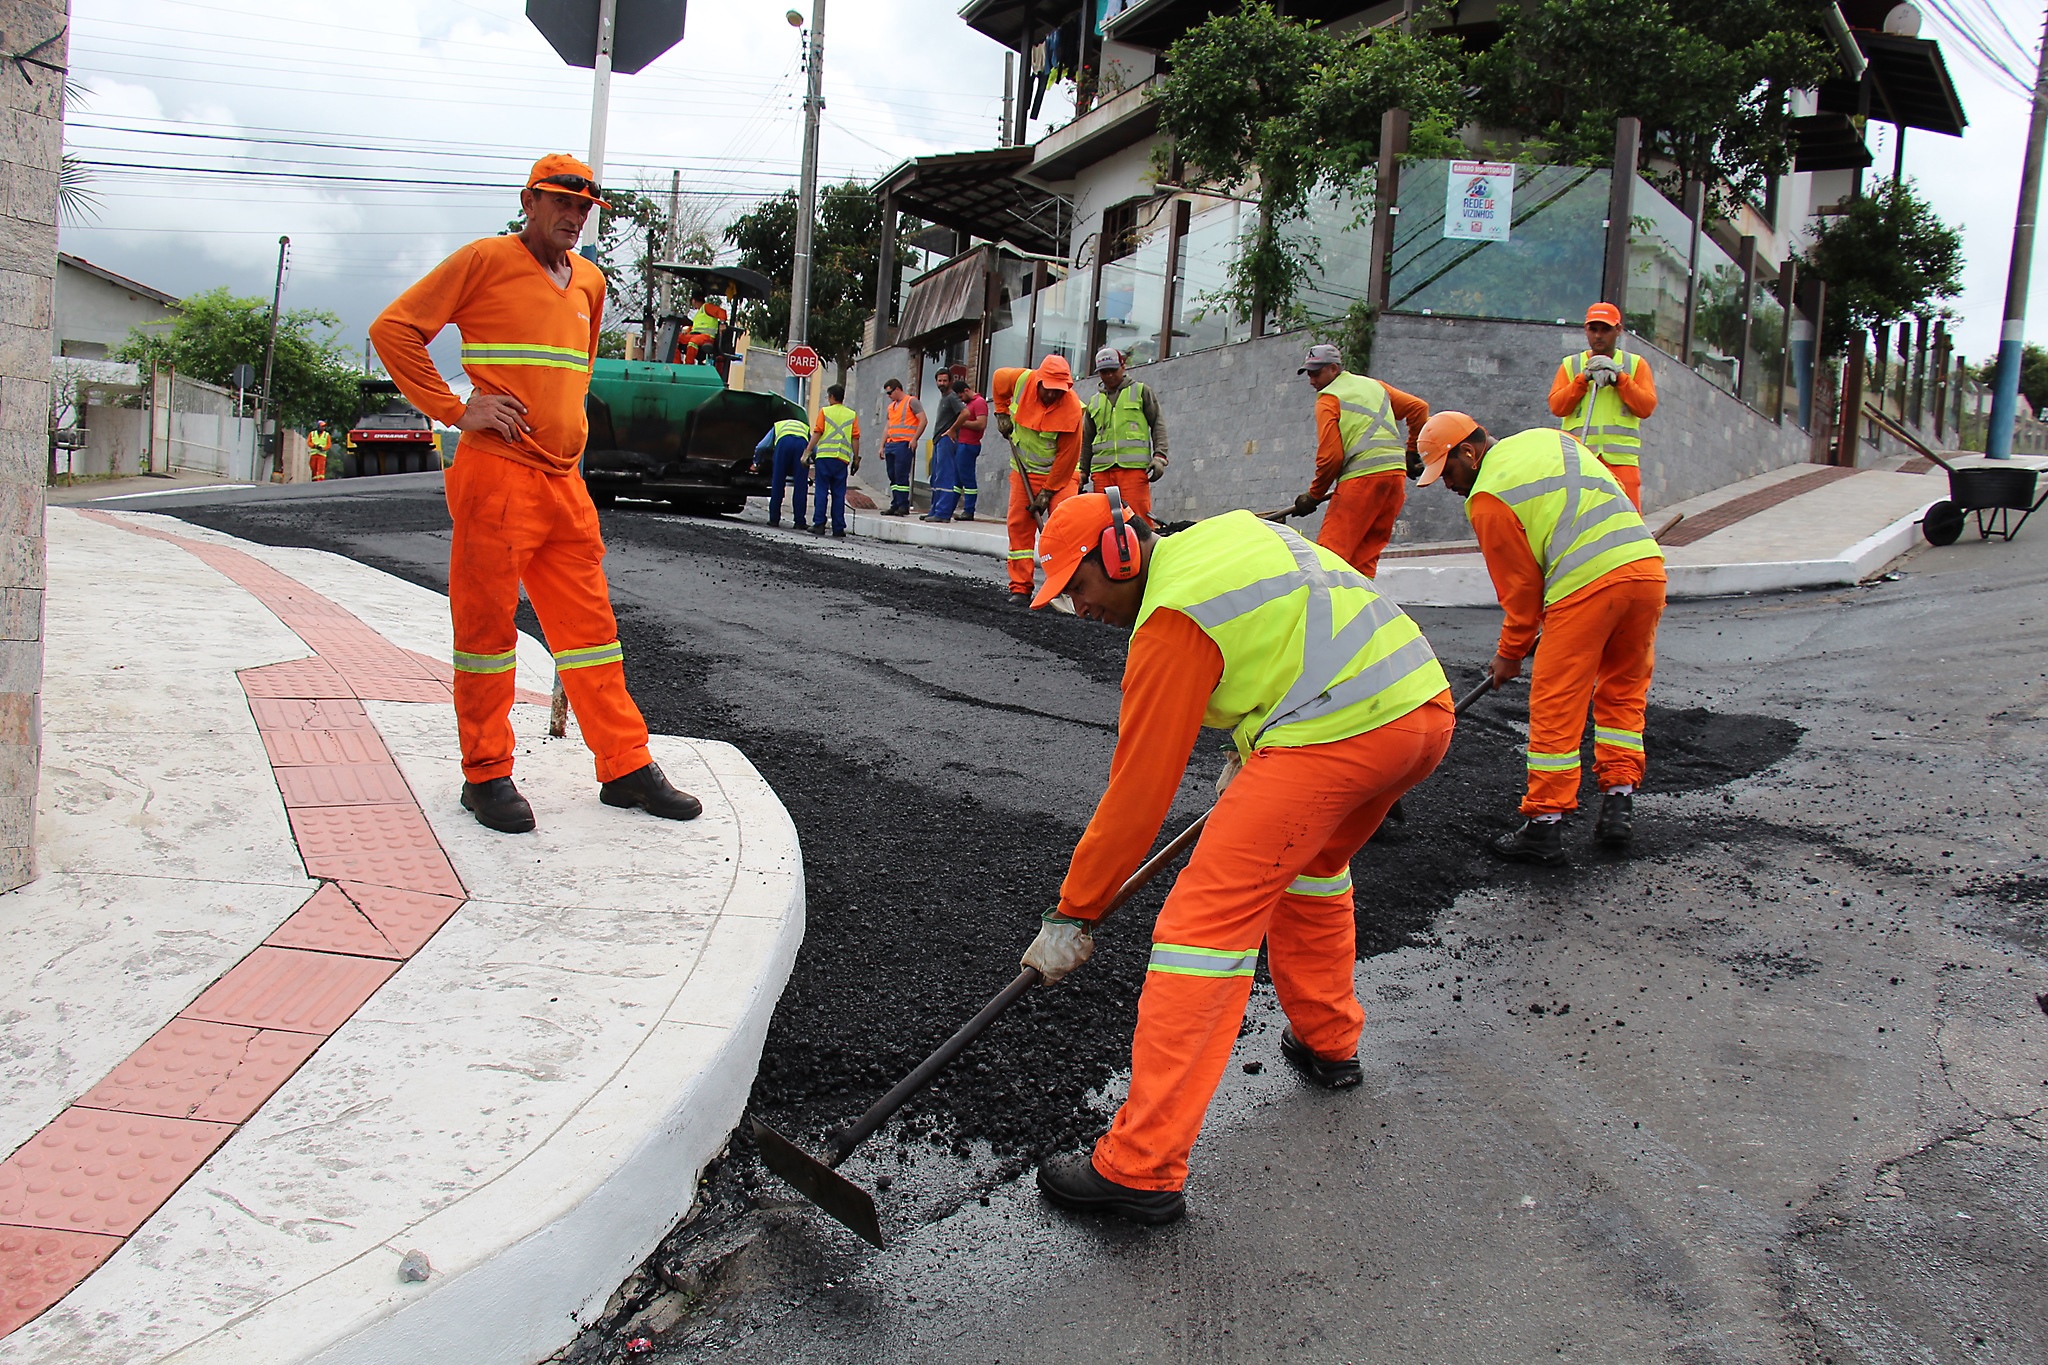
{"type": "Point", "coordinates": [1338, 706]}
{"type": "Point", "coordinates": [529, 311]}
{"type": "Point", "coordinates": [1039, 414]}
{"type": "Point", "coordinates": [1571, 558]}
{"type": "Point", "coordinates": [1360, 450]}
{"type": "Point", "coordinates": [1602, 394]}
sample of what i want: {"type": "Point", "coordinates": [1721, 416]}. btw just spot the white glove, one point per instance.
{"type": "Point", "coordinates": [1600, 379]}
{"type": "Point", "coordinates": [1601, 370]}
{"type": "Point", "coordinates": [1232, 766]}
{"type": "Point", "coordinates": [1062, 945]}
{"type": "Point", "coordinates": [1157, 468]}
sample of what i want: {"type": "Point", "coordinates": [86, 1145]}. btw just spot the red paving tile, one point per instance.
{"type": "Point", "coordinates": [406, 918]}
{"type": "Point", "coordinates": [383, 845]}
{"type": "Point", "coordinates": [328, 923]}
{"type": "Point", "coordinates": [399, 689]}
{"type": "Point", "coordinates": [309, 748]}
{"type": "Point", "coordinates": [1697, 528]}
{"type": "Point", "coordinates": [192, 1069]}
{"type": "Point", "coordinates": [342, 784]}
{"type": "Point", "coordinates": [294, 713]}
{"type": "Point", "coordinates": [93, 1170]}
{"type": "Point", "coordinates": [440, 668]}
{"type": "Point", "coordinates": [288, 988]}
{"type": "Point", "coordinates": [364, 652]}
{"type": "Point", "coordinates": [39, 1267]}
{"type": "Point", "coordinates": [299, 678]}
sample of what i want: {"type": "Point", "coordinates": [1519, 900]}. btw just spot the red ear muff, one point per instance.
{"type": "Point", "coordinates": [1121, 555]}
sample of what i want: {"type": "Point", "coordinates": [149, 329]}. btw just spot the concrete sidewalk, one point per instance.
{"type": "Point", "coordinates": [285, 1018]}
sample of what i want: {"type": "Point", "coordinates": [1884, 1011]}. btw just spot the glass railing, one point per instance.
{"type": "Point", "coordinates": [1336, 236]}
{"type": "Point", "coordinates": [1763, 364]}
{"type": "Point", "coordinates": [1718, 306]}
{"type": "Point", "coordinates": [1546, 270]}
{"type": "Point", "coordinates": [1201, 319]}
{"type": "Point", "coordinates": [1659, 269]}
{"type": "Point", "coordinates": [1132, 303]}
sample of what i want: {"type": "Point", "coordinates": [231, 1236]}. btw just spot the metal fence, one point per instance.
{"type": "Point", "coordinates": [200, 427]}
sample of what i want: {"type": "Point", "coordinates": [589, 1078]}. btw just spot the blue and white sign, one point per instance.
{"type": "Point", "coordinates": [1479, 201]}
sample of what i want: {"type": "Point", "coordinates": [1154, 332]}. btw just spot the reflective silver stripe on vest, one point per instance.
{"type": "Point", "coordinates": [1305, 885]}
{"type": "Point", "coordinates": [1365, 455]}
{"type": "Point", "coordinates": [1326, 650]}
{"type": "Point", "coordinates": [1573, 522]}
{"type": "Point", "coordinates": [835, 433]}
{"type": "Point", "coordinates": [1181, 960]}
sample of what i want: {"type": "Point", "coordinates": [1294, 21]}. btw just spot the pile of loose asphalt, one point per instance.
{"type": "Point", "coordinates": [921, 889]}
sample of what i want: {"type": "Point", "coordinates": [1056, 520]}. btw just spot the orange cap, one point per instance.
{"type": "Point", "coordinates": [1604, 312]}
{"type": "Point", "coordinates": [1072, 531]}
{"type": "Point", "coordinates": [1055, 373]}
{"type": "Point", "coordinates": [1439, 434]}
{"type": "Point", "coordinates": [562, 164]}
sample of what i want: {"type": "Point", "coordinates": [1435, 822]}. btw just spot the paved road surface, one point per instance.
{"type": "Point", "coordinates": [1774, 1090]}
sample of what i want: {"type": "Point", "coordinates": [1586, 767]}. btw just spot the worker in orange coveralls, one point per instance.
{"type": "Point", "coordinates": [1360, 451]}
{"type": "Point", "coordinates": [528, 309]}
{"type": "Point", "coordinates": [1602, 395]}
{"type": "Point", "coordinates": [1036, 410]}
{"type": "Point", "coordinates": [1338, 706]}
{"type": "Point", "coordinates": [1570, 557]}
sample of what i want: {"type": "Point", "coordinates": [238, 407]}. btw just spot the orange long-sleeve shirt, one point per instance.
{"type": "Point", "coordinates": [523, 336]}
{"type": "Point", "coordinates": [1518, 581]}
{"type": "Point", "coordinates": [1063, 419]}
{"type": "Point", "coordinates": [1330, 440]}
{"type": "Point", "coordinates": [1638, 391]}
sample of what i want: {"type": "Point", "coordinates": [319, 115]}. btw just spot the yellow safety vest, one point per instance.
{"type": "Point", "coordinates": [319, 442]}
{"type": "Point", "coordinates": [1373, 441]}
{"type": "Point", "coordinates": [1601, 420]}
{"type": "Point", "coordinates": [902, 425]}
{"type": "Point", "coordinates": [791, 426]}
{"type": "Point", "coordinates": [837, 441]}
{"type": "Point", "coordinates": [1312, 653]}
{"type": "Point", "coordinates": [1123, 438]}
{"type": "Point", "coordinates": [1034, 448]}
{"type": "Point", "coordinates": [705, 321]}
{"type": "Point", "coordinates": [1579, 522]}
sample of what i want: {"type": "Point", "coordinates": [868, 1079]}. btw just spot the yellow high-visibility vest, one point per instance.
{"type": "Point", "coordinates": [1601, 421]}
{"type": "Point", "coordinates": [1579, 522]}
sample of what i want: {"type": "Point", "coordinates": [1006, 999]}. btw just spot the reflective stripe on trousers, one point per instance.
{"type": "Point", "coordinates": [486, 663]}
{"type": "Point", "coordinates": [1182, 960]}
{"type": "Point", "coordinates": [1306, 885]}
{"type": "Point", "coordinates": [590, 656]}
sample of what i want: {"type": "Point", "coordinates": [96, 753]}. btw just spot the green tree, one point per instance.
{"type": "Point", "coordinates": [313, 376]}
{"type": "Point", "coordinates": [2033, 375]}
{"type": "Point", "coordinates": [1708, 78]}
{"type": "Point", "coordinates": [1885, 257]}
{"type": "Point", "coordinates": [845, 246]}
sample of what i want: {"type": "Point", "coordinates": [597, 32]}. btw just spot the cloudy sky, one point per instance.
{"type": "Point", "coordinates": [381, 134]}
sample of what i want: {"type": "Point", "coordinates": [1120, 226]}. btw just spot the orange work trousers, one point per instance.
{"type": "Point", "coordinates": [514, 525]}
{"type": "Point", "coordinates": [1274, 864]}
{"type": "Point", "coordinates": [1599, 645]}
{"type": "Point", "coordinates": [1024, 526]}
{"type": "Point", "coordinates": [1359, 521]}
{"type": "Point", "coordinates": [319, 466]}
{"type": "Point", "coordinates": [1130, 484]}
{"type": "Point", "coordinates": [1630, 477]}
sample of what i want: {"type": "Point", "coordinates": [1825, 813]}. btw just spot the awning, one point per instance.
{"type": "Point", "coordinates": [1909, 85]}
{"type": "Point", "coordinates": [1828, 142]}
{"type": "Point", "coordinates": [1154, 24]}
{"type": "Point", "coordinates": [948, 297]}
{"type": "Point", "coordinates": [978, 193]}
{"type": "Point", "coordinates": [1010, 21]}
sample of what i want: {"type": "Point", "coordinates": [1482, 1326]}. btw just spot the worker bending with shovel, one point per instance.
{"type": "Point", "coordinates": [1338, 706]}
{"type": "Point", "coordinates": [1570, 558]}
{"type": "Point", "coordinates": [1362, 459]}
{"type": "Point", "coordinates": [1038, 414]}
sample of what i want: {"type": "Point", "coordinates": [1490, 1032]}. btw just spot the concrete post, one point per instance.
{"type": "Point", "coordinates": [34, 105]}
{"type": "Point", "coordinates": [1628, 137]}
{"type": "Point", "coordinates": [1386, 199]}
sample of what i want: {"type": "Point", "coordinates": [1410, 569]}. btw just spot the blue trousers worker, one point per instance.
{"type": "Point", "coordinates": [829, 478]}
{"type": "Point", "coordinates": [953, 487]}
{"type": "Point", "coordinates": [901, 458]}
{"type": "Point", "coordinates": [788, 469]}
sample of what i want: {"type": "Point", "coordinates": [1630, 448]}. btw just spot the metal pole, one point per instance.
{"type": "Point", "coordinates": [675, 210]}
{"type": "Point", "coordinates": [2006, 385]}
{"type": "Point", "coordinates": [1009, 96]}
{"type": "Point", "coordinates": [269, 412]}
{"type": "Point", "coordinates": [807, 193]}
{"type": "Point", "coordinates": [600, 109]}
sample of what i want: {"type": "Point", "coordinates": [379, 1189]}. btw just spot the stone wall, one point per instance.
{"type": "Point", "coordinates": [34, 109]}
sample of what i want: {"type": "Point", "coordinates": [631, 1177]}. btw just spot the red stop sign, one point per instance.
{"type": "Point", "coordinates": [804, 362]}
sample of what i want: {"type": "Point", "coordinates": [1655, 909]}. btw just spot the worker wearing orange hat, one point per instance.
{"type": "Point", "coordinates": [1570, 558]}
{"type": "Point", "coordinates": [1036, 410]}
{"type": "Point", "coordinates": [1361, 453]}
{"type": "Point", "coordinates": [1602, 394]}
{"type": "Point", "coordinates": [1337, 705]}
{"type": "Point", "coordinates": [529, 310]}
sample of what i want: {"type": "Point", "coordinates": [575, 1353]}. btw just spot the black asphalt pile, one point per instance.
{"type": "Point", "coordinates": [921, 896]}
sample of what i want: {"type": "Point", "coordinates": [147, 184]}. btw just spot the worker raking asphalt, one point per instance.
{"type": "Point", "coordinates": [937, 803]}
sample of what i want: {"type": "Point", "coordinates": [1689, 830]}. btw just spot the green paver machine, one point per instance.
{"type": "Point", "coordinates": [670, 427]}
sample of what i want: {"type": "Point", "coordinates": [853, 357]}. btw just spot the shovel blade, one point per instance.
{"type": "Point", "coordinates": [819, 1183]}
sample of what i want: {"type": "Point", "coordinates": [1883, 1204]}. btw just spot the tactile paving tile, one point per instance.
{"type": "Point", "coordinates": [305, 748]}
{"type": "Point", "coordinates": [383, 845]}
{"type": "Point", "coordinates": [441, 669]}
{"type": "Point", "coordinates": [199, 1070]}
{"type": "Point", "coordinates": [371, 688]}
{"type": "Point", "coordinates": [93, 1170]}
{"type": "Point", "coordinates": [287, 988]}
{"type": "Point", "coordinates": [406, 918]}
{"type": "Point", "coordinates": [328, 923]}
{"type": "Point", "coordinates": [365, 653]}
{"type": "Point", "coordinates": [291, 713]}
{"type": "Point", "coordinates": [342, 784]}
{"type": "Point", "coordinates": [39, 1266]}
{"type": "Point", "coordinates": [294, 678]}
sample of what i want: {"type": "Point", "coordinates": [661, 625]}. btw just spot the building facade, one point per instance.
{"type": "Point", "coordinates": [96, 308]}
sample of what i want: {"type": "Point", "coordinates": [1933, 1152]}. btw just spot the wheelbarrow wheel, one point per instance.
{"type": "Point", "coordinates": [1943, 524]}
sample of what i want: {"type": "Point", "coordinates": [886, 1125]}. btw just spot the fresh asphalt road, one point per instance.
{"type": "Point", "coordinates": [1774, 1090]}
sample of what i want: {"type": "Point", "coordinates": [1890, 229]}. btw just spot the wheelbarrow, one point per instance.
{"type": "Point", "coordinates": [1991, 492]}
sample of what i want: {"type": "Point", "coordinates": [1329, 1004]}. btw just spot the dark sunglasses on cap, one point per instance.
{"type": "Point", "coordinates": [575, 184]}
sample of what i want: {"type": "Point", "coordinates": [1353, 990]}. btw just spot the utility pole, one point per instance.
{"type": "Point", "coordinates": [807, 193]}
{"type": "Point", "coordinates": [284, 245]}
{"type": "Point", "coordinates": [600, 108]}
{"type": "Point", "coordinates": [2006, 387]}
{"type": "Point", "coordinates": [675, 208]}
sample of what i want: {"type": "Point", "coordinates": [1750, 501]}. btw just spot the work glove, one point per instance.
{"type": "Point", "coordinates": [1414, 463]}
{"type": "Point", "coordinates": [1004, 425]}
{"type": "Point", "coordinates": [1232, 766]}
{"type": "Point", "coordinates": [1305, 503]}
{"type": "Point", "coordinates": [1155, 469]}
{"type": "Point", "coordinates": [856, 466]}
{"type": "Point", "coordinates": [1041, 501]}
{"type": "Point", "coordinates": [1063, 943]}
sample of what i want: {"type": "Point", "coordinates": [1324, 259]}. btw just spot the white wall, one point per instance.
{"type": "Point", "coordinates": [92, 312]}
